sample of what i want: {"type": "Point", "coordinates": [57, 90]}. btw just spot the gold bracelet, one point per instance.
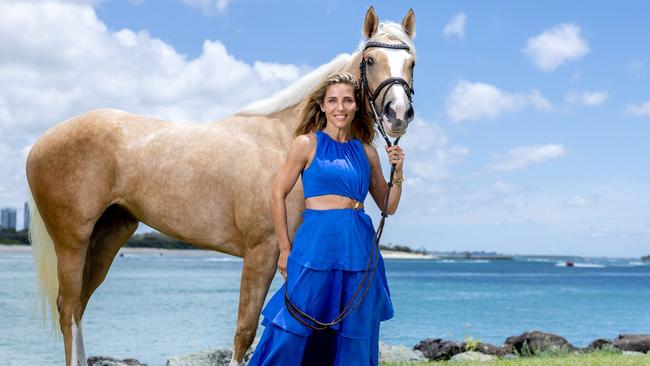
{"type": "Point", "coordinates": [399, 181]}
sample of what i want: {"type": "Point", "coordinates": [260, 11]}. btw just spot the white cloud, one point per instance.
{"type": "Point", "coordinates": [593, 98]}
{"type": "Point", "coordinates": [208, 7]}
{"type": "Point", "coordinates": [522, 156]}
{"type": "Point", "coordinates": [638, 110]}
{"type": "Point", "coordinates": [471, 101]}
{"type": "Point", "coordinates": [582, 201]}
{"type": "Point", "coordinates": [456, 26]}
{"type": "Point", "coordinates": [58, 60]}
{"type": "Point", "coordinates": [555, 46]}
{"type": "Point", "coordinates": [429, 157]}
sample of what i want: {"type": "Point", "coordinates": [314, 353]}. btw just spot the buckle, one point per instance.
{"type": "Point", "coordinates": [355, 204]}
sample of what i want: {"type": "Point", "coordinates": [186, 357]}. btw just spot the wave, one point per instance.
{"type": "Point", "coordinates": [581, 265]}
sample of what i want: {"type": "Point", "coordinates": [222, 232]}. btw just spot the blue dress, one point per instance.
{"type": "Point", "coordinates": [330, 253]}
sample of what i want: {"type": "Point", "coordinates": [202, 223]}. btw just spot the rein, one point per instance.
{"type": "Point", "coordinates": [373, 259]}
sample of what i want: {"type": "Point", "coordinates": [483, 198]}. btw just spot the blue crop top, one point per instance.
{"type": "Point", "coordinates": [340, 168]}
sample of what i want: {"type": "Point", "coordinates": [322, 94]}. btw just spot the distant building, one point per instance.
{"type": "Point", "coordinates": [26, 216]}
{"type": "Point", "coordinates": [8, 218]}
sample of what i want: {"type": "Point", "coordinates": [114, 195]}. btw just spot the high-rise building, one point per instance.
{"type": "Point", "coordinates": [8, 218]}
{"type": "Point", "coordinates": [26, 216]}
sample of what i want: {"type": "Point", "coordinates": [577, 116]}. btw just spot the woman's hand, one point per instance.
{"type": "Point", "coordinates": [282, 262]}
{"type": "Point", "coordinates": [396, 156]}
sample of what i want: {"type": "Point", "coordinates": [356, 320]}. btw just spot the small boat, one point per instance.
{"type": "Point", "coordinates": [569, 263]}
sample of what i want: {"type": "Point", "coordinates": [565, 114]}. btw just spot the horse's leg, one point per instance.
{"type": "Point", "coordinates": [71, 258]}
{"type": "Point", "coordinates": [259, 268]}
{"type": "Point", "coordinates": [113, 228]}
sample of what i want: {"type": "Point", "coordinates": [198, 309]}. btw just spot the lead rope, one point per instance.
{"type": "Point", "coordinates": [373, 259]}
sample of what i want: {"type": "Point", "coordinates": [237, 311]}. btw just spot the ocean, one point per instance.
{"type": "Point", "coordinates": [152, 307]}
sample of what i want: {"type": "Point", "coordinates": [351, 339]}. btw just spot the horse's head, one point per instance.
{"type": "Point", "coordinates": [387, 63]}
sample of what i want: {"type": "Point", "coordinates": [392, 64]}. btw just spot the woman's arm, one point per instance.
{"type": "Point", "coordinates": [378, 184]}
{"type": "Point", "coordinates": [282, 185]}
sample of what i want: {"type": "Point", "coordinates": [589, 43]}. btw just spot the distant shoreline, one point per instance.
{"type": "Point", "coordinates": [388, 254]}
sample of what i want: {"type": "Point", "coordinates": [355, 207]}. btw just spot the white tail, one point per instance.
{"type": "Point", "coordinates": [47, 282]}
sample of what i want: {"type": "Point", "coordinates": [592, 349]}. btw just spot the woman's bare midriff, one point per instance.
{"type": "Point", "coordinates": [331, 201]}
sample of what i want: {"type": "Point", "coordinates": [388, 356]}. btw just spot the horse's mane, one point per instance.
{"type": "Point", "coordinates": [296, 92]}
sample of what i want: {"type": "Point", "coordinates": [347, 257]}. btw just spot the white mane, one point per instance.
{"type": "Point", "coordinates": [298, 91]}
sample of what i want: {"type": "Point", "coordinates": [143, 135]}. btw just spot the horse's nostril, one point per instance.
{"type": "Point", "coordinates": [386, 109]}
{"type": "Point", "coordinates": [410, 113]}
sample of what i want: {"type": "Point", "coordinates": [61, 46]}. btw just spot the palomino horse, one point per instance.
{"type": "Point", "coordinates": [94, 177]}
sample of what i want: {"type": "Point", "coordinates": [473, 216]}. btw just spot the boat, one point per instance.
{"type": "Point", "coordinates": [569, 263]}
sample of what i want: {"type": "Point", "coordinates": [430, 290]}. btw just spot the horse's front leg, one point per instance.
{"type": "Point", "coordinates": [260, 263]}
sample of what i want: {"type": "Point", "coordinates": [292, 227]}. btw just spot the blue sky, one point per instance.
{"type": "Point", "coordinates": [532, 117]}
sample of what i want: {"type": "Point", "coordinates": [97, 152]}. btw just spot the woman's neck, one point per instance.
{"type": "Point", "coordinates": [339, 134]}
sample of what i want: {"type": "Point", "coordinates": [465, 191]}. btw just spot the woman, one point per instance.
{"type": "Point", "coordinates": [324, 265]}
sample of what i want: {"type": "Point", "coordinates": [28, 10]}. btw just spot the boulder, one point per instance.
{"type": "Point", "coordinates": [399, 354]}
{"type": "Point", "coordinates": [600, 343]}
{"type": "Point", "coordinates": [633, 342]}
{"type": "Point", "coordinates": [536, 342]}
{"type": "Point", "coordinates": [471, 356]}
{"type": "Point", "coordinates": [110, 361]}
{"type": "Point", "coordinates": [207, 357]}
{"type": "Point", "coordinates": [488, 349]}
{"type": "Point", "coordinates": [438, 349]}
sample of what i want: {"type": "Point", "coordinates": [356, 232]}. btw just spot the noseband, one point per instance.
{"type": "Point", "coordinates": [384, 85]}
{"type": "Point", "coordinates": [304, 318]}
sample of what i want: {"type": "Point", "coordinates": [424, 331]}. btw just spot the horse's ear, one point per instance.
{"type": "Point", "coordinates": [371, 23]}
{"type": "Point", "coordinates": [408, 23]}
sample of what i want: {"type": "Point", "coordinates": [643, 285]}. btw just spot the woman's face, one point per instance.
{"type": "Point", "coordinates": [339, 105]}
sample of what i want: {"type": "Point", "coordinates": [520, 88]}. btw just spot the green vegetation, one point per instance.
{"type": "Point", "coordinates": [402, 248]}
{"type": "Point", "coordinates": [11, 236]}
{"type": "Point", "coordinates": [603, 358]}
{"type": "Point", "coordinates": [156, 240]}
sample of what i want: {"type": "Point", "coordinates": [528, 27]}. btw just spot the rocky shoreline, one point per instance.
{"type": "Point", "coordinates": [528, 344]}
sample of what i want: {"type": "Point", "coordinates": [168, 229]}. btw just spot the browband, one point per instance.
{"type": "Point", "coordinates": [396, 46]}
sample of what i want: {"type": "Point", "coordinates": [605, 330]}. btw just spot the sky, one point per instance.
{"type": "Point", "coordinates": [532, 118]}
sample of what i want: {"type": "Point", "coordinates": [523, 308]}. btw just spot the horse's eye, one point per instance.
{"type": "Point", "coordinates": [370, 61]}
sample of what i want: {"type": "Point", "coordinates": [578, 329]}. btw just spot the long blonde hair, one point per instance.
{"type": "Point", "coordinates": [312, 118]}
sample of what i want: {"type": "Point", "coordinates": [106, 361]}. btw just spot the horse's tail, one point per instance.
{"type": "Point", "coordinates": [47, 283]}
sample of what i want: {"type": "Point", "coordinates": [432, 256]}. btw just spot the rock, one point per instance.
{"type": "Point", "coordinates": [398, 354]}
{"type": "Point", "coordinates": [110, 361]}
{"type": "Point", "coordinates": [438, 349]}
{"type": "Point", "coordinates": [632, 353]}
{"type": "Point", "coordinates": [207, 357]}
{"type": "Point", "coordinates": [633, 342]}
{"type": "Point", "coordinates": [471, 356]}
{"type": "Point", "coordinates": [489, 349]}
{"type": "Point", "coordinates": [599, 343]}
{"type": "Point", "coordinates": [536, 342]}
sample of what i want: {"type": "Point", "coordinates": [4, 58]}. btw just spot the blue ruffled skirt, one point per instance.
{"type": "Point", "coordinates": [330, 252]}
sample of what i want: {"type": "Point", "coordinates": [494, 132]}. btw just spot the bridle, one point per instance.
{"type": "Point", "coordinates": [373, 259]}
{"type": "Point", "coordinates": [384, 85]}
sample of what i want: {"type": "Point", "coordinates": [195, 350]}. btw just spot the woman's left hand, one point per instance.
{"type": "Point", "coordinates": [396, 156]}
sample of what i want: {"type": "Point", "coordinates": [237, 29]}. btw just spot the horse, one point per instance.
{"type": "Point", "coordinates": [94, 177]}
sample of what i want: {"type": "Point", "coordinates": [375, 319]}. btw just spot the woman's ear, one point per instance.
{"type": "Point", "coordinates": [321, 107]}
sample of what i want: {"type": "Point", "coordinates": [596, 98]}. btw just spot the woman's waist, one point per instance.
{"type": "Point", "coordinates": [332, 202]}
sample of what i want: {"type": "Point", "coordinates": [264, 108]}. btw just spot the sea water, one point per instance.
{"type": "Point", "coordinates": [153, 307]}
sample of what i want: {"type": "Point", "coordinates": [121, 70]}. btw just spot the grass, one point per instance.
{"type": "Point", "coordinates": [590, 359]}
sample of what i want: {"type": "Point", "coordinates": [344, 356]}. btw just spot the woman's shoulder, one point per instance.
{"type": "Point", "coordinates": [369, 149]}
{"type": "Point", "coordinates": [305, 141]}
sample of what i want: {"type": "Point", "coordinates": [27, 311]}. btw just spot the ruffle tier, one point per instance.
{"type": "Point", "coordinates": [323, 294]}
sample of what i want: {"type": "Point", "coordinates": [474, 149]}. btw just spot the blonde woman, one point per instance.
{"type": "Point", "coordinates": [324, 265]}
